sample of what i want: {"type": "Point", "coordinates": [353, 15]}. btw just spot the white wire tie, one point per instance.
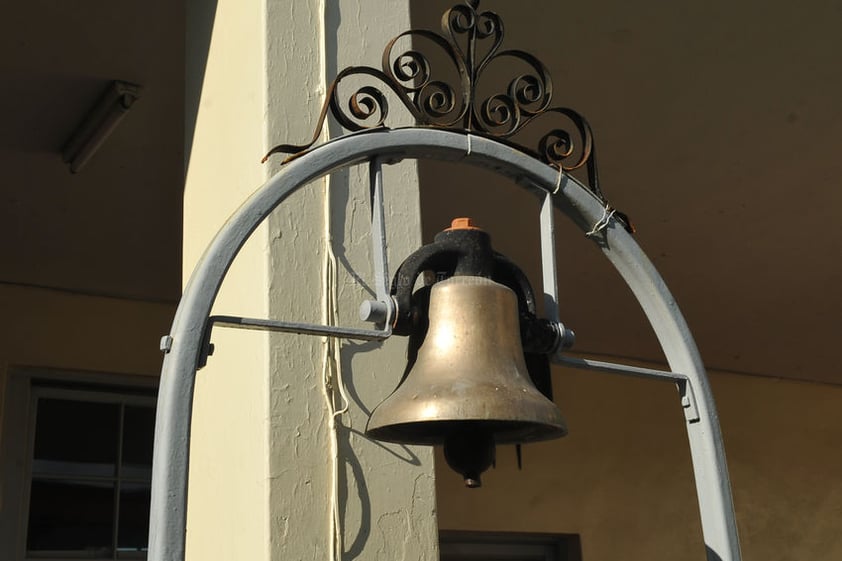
{"type": "Point", "coordinates": [558, 180]}
{"type": "Point", "coordinates": [602, 223]}
{"type": "Point", "coordinates": [469, 145]}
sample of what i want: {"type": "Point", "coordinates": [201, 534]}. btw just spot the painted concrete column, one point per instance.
{"type": "Point", "coordinates": [261, 475]}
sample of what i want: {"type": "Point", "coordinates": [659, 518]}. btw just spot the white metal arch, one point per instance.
{"type": "Point", "coordinates": [184, 344]}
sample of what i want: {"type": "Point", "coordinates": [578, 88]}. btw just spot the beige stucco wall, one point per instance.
{"type": "Point", "coordinates": [228, 491]}
{"type": "Point", "coordinates": [260, 452]}
{"type": "Point", "coordinates": [62, 330]}
{"type": "Point", "coordinates": [622, 479]}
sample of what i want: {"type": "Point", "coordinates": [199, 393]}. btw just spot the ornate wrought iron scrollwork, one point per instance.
{"type": "Point", "coordinates": [470, 42]}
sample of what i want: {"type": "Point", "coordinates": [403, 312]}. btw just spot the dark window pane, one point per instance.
{"type": "Point", "coordinates": [71, 516]}
{"type": "Point", "coordinates": [76, 438]}
{"type": "Point", "coordinates": [508, 546]}
{"type": "Point", "coordinates": [138, 433]}
{"type": "Point", "coordinates": [133, 531]}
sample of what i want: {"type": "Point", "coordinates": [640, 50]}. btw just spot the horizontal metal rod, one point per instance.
{"type": "Point", "coordinates": [302, 328]}
{"type": "Point", "coordinates": [587, 364]}
{"type": "Point", "coordinates": [685, 385]}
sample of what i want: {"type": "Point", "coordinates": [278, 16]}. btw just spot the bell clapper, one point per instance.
{"type": "Point", "coordinates": [470, 453]}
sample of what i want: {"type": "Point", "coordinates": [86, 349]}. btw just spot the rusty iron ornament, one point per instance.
{"type": "Point", "coordinates": [470, 41]}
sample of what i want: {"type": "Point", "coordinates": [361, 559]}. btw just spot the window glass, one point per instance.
{"type": "Point", "coordinates": [91, 472]}
{"type": "Point", "coordinates": [76, 438]}
{"type": "Point", "coordinates": [71, 515]}
{"type": "Point", "coordinates": [508, 546]}
{"type": "Point", "coordinates": [137, 441]}
{"type": "Point", "coordinates": [133, 532]}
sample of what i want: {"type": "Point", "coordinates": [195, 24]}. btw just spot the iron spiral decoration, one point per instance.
{"type": "Point", "coordinates": [470, 42]}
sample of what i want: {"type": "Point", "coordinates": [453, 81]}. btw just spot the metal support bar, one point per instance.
{"type": "Point", "coordinates": [302, 328]}
{"type": "Point", "coordinates": [381, 311]}
{"type": "Point", "coordinates": [685, 387]}
{"type": "Point", "coordinates": [378, 231]}
{"type": "Point", "coordinates": [548, 260]}
{"type": "Point", "coordinates": [184, 342]}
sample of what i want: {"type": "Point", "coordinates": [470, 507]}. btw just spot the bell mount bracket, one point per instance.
{"type": "Point", "coordinates": [453, 124]}
{"type": "Point", "coordinates": [187, 341]}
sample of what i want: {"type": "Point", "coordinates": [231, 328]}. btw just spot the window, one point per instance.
{"type": "Point", "coordinates": [90, 474]}
{"type": "Point", "coordinates": [508, 546]}
{"type": "Point", "coordinates": [82, 475]}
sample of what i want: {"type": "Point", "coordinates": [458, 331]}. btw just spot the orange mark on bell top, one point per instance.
{"type": "Point", "coordinates": [463, 223]}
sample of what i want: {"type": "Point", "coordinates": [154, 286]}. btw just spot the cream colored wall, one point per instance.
{"type": "Point", "coordinates": [783, 441]}
{"type": "Point", "coordinates": [228, 492]}
{"type": "Point", "coordinates": [260, 451]}
{"type": "Point", "coordinates": [62, 330]}
{"type": "Point", "coordinates": [622, 479]}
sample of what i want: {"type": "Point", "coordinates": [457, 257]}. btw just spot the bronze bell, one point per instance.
{"type": "Point", "coordinates": [469, 387]}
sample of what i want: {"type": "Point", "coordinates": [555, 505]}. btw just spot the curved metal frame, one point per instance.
{"type": "Point", "coordinates": [185, 344]}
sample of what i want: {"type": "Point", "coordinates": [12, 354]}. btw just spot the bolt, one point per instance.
{"type": "Point", "coordinates": [374, 311]}
{"type": "Point", "coordinates": [566, 337]}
